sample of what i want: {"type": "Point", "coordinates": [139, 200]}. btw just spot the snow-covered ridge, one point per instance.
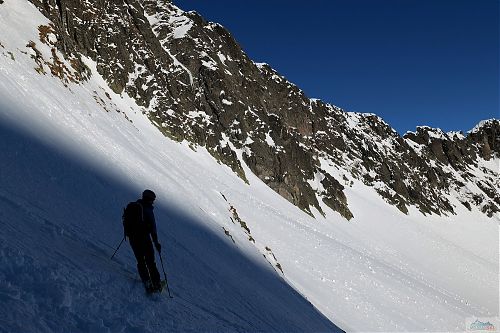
{"type": "Point", "coordinates": [482, 124]}
{"type": "Point", "coordinates": [455, 135]}
{"type": "Point", "coordinates": [434, 133]}
{"type": "Point", "coordinates": [437, 133]}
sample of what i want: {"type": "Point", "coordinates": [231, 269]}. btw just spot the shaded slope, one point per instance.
{"type": "Point", "coordinates": [72, 156]}
{"type": "Point", "coordinates": [60, 220]}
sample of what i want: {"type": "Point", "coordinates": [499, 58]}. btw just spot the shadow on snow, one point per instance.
{"type": "Point", "coordinates": [61, 221]}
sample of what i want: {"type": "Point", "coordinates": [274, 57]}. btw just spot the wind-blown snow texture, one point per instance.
{"type": "Point", "coordinates": [239, 257]}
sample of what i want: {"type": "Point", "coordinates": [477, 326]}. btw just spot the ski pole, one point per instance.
{"type": "Point", "coordinates": [118, 247]}
{"type": "Point", "coordinates": [165, 274]}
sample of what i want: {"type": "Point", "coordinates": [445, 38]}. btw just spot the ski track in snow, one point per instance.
{"type": "Point", "coordinates": [68, 167]}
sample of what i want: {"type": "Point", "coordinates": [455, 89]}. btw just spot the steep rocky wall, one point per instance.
{"type": "Point", "coordinates": [197, 84]}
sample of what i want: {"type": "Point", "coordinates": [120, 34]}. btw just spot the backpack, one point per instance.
{"type": "Point", "coordinates": [133, 219]}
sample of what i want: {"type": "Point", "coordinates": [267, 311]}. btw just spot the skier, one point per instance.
{"type": "Point", "coordinates": [140, 227]}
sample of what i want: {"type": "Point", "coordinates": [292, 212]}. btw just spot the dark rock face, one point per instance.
{"type": "Point", "coordinates": [196, 84]}
{"type": "Point", "coordinates": [456, 158]}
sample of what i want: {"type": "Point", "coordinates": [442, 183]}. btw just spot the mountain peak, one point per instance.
{"type": "Point", "coordinates": [485, 123]}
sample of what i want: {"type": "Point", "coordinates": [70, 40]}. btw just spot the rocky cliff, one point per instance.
{"type": "Point", "coordinates": [196, 83]}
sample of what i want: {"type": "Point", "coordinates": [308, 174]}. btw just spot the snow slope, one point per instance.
{"type": "Point", "coordinates": [71, 159]}
{"type": "Point", "coordinates": [68, 167]}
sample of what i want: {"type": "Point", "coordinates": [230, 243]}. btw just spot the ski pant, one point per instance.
{"type": "Point", "coordinates": [145, 255]}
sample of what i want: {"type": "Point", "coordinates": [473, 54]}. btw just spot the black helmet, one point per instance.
{"type": "Point", "coordinates": [148, 195]}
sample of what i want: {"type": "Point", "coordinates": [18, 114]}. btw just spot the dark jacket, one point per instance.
{"type": "Point", "coordinates": [148, 223]}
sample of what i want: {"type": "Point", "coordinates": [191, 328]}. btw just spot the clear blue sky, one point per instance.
{"type": "Point", "coordinates": [412, 62]}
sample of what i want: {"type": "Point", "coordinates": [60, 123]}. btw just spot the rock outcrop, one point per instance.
{"type": "Point", "coordinates": [196, 83]}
